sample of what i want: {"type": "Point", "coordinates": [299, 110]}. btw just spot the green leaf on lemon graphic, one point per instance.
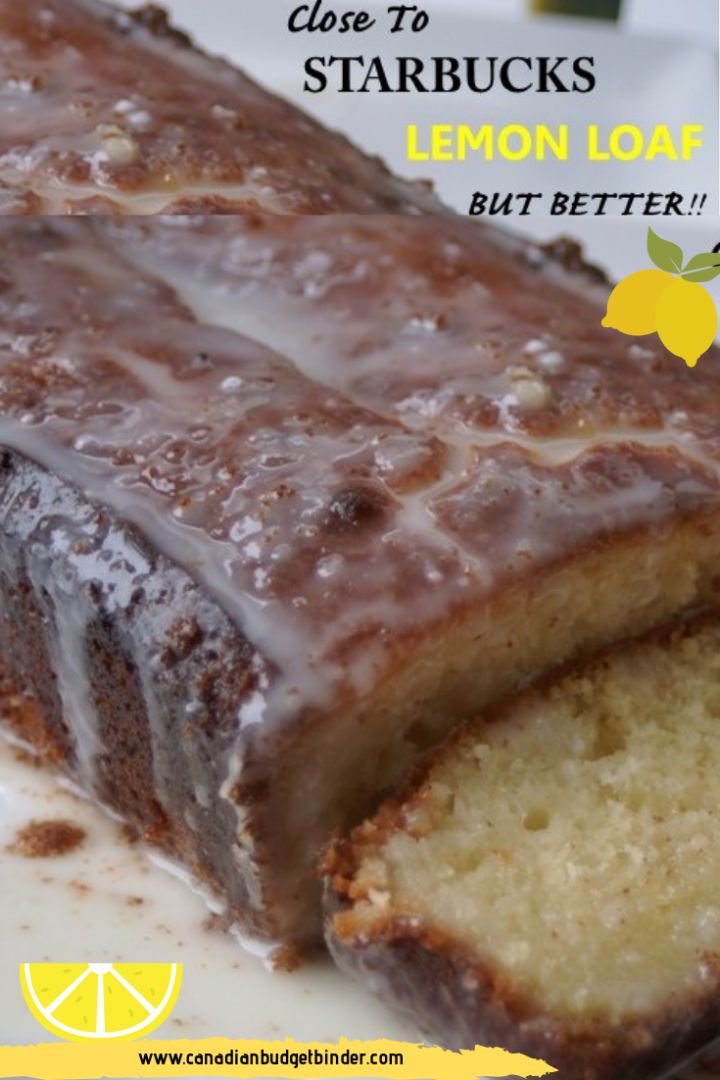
{"type": "Point", "coordinates": [670, 300]}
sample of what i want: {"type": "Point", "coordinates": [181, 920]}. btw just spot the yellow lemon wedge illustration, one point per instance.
{"type": "Point", "coordinates": [687, 320]}
{"type": "Point", "coordinates": [100, 1001]}
{"type": "Point", "coordinates": [632, 307]}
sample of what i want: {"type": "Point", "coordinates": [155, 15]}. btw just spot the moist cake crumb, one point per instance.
{"type": "Point", "coordinates": [80, 887]}
{"type": "Point", "coordinates": [215, 922]}
{"type": "Point", "coordinates": [47, 839]}
{"type": "Point", "coordinates": [288, 958]}
{"type": "Point", "coordinates": [547, 880]}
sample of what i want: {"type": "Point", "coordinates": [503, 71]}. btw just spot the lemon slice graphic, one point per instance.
{"type": "Point", "coordinates": [100, 1001]}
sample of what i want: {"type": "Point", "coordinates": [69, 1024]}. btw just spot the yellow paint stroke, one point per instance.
{"type": "Point", "coordinates": [116, 1061]}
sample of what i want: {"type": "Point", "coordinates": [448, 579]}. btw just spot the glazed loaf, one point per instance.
{"type": "Point", "coordinates": [108, 112]}
{"type": "Point", "coordinates": [549, 880]}
{"type": "Point", "coordinates": [284, 498]}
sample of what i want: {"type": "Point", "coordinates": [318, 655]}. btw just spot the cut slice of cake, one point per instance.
{"type": "Point", "coordinates": [549, 881]}
{"type": "Point", "coordinates": [104, 111]}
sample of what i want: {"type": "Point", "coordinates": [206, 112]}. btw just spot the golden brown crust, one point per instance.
{"type": "Point", "coordinates": [461, 1001]}
{"type": "Point", "coordinates": [109, 112]}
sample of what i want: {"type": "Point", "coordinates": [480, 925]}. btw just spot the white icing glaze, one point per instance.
{"type": "Point", "coordinates": [63, 198]}
{"type": "Point", "coordinates": [69, 662]}
{"type": "Point", "coordinates": [339, 431]}
{"type": "Point", "coordinates": [104, 112]}
{"type": "Point", "coordinates": [246, 302]}
{"type": "Point", "coordinates": [231, 286]}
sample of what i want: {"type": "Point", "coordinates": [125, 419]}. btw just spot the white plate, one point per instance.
{"type": "Point", "coordinates": [84, 907]}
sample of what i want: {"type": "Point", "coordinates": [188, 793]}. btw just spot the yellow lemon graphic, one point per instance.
{"type": "Point", "coordinates": [100, 1001]}
{"type": "Point", "coordinates": [632, 307]}
{"type": "Point", "coordinates": [687, 320]}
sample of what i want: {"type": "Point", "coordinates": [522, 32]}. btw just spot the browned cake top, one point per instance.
{"type": "Point", "coordinates": [348, 430]}
{"type": "Point", "coordinates": [107, 112]}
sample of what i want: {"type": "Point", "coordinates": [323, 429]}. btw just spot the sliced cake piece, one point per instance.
{"type": "Point", "coordinates": [549, 882]}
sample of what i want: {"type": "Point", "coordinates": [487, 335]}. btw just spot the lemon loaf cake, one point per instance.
{"type": "Point", "coordinates": [549, 881]}
{"type": "Point", "coordinates": [105, 111]}
{"type": "Point", "coordinates": [284, 498]}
